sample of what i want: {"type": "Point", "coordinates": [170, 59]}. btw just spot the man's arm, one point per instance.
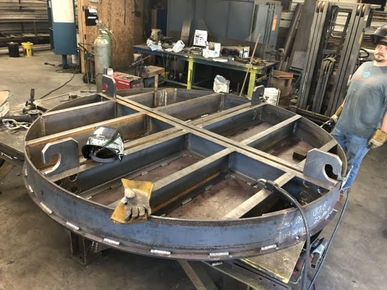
{"type": "Point", "coordinates": [330, 124]}
{"type": "Point", "coordinates": [338, 112]}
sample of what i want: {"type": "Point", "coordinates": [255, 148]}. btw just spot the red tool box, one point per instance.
{"type": "Point", "coordinates": [126, 81]}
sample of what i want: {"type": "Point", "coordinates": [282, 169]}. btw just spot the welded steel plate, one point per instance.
{"type": "Point", "coordinates": [204, 152]}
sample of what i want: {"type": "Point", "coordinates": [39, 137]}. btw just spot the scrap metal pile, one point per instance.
{"type": "Point", "coordinates": [203, 153]}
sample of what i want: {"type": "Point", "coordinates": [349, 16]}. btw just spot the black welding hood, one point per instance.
{"type": "Point", "coordinates": [104, 145]}
{"type": "Point", "coordinates": [380, 35]}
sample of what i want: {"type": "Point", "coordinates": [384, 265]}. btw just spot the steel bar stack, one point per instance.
{"type": "Point", "coordinates": [332, 56]}
{"type": "Point", "coordinates": [312, 52]}
{"type": "Point", "coordinates": [22, 20]}
{"type": "Point", "coordinates": [349, 57]}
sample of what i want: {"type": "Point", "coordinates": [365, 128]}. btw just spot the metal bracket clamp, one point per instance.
{"type": "Point", "coordinates": [109, 87]}
{"type": "Point", "coordinates": [66, 151]}
{"type": "Point", "coordinates": [84, 250]}
{"type": "Point", "coordinates": [257, 97]}
{"type": "Point", "coordinates": [316, 162]}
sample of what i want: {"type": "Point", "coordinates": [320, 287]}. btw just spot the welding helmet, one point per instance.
{"type": "Point", "coordinates": [104, 145]}
{"type": "Point", "coordinates": [380, 35]}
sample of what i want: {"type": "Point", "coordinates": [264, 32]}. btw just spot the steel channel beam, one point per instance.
{"type": "Point", "coordinates": [207, 105]}
{"type": "Point", "coordinates": [53, 122]}
{"type": "Point", "coordinates": [269, 132]}
{"type": "Point", "coordinates": [343, 59]}
{"type": "Point", "coordinates": [125, 164]}
{"type": "Point", "coordinates": [165, 96]}
{"type": "Point", "coordinates": [271, 138]}
{"type": "Point", "coordinates": [301, 103]}
{"type": "Point", "coordinates": [137, 149]}
{"type": "Point", "coordinates": [294, 24]}
{"type": "Point", "coordinates": [216, 115]}
{"type": "Point", "coordinates": [252, 278]}
{"type": "Point", "coordinates": [286, 125]}
{"type": "Point", "coordinates": [313, 47]}
{"type": "Point", "coordinates": [352, 58]}
{"type": "Point", "coordinates": [348, 59]}
{"type": "Point", "coordinates": [264, 112]}
{"type": "Point", "coordinates": [320, 28]}
{"type": "Point", "coordinates": [320, 91]}
{"type": "Point", "coordinates": [226, 140]}
{"type": "Point", "coordinates": [310, 126]}
{"type": "Point", "coordinates": [131, 127]}
{"type": "Point", "coordinates": [198, 276]}
{"type": "Point", "coordinates": [257, 198]}
{"type": "Point", "coordinates": [320, 88]}
{"type": "Point", "coordinates": [129, 147]}
{"type": "Point", "coordinates": [223, 117]}
{"type": "Point", "coordinates": [50, 104]}
{"type": "Point", "coordinates": [35, 146]}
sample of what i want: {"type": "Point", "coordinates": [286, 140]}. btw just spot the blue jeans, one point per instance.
{"type": "Point", "coordinates": [356, 148]}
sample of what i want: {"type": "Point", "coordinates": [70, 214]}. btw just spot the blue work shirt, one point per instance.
{"type": "Point", "coordinates": [366, 101]}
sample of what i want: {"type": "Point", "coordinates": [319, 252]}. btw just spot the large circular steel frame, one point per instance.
{"type": "Point", "coordinates": [192, 239]}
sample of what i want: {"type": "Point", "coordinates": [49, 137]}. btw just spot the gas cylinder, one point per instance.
{"type": "Point", "coordinates": [102, 48]}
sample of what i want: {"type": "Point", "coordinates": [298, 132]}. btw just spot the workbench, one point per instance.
{"type": "Point", "coordinates": [192, 59]}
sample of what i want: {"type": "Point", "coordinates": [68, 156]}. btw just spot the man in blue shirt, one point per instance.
{"type": "Point", "coordinates": [361, 121]}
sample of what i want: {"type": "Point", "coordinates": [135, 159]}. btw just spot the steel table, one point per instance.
{"type": "Point", "coordinates": [192, 60]}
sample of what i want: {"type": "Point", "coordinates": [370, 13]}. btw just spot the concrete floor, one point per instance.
{"type": "Point", "coordinates": [34, 250]}
{"type": "Point", "coordinates": [19, 75]}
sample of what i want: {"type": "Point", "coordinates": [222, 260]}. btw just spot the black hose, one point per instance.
{"type": "Point", "coordinates": [57, 88]}
{"type": "Point", "coordinates": [323, 258]}
{"type": "Point", "coordinates": [273, 187]}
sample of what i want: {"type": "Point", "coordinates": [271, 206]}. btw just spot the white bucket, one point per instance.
{"type": "Point", "coordinates": [75, 59]}
{"type": "Point", "coordinates": [272, 95]}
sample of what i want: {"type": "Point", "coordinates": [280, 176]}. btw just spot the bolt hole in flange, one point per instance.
{"type": "Point", "coordinates": [329, 171]}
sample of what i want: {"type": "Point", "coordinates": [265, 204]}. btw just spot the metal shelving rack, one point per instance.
{"type": "Point", "coordinates": [23, 21]}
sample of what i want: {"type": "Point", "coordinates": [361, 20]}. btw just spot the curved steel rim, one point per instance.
{"type": "Point", "coordinates": [224, 240]}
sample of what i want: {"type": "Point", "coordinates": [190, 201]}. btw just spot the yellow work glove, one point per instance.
{"type": "Point", "coordinates": [134, 206]}
{"type": "Point", "coordinates": [337, 115]}
{"type": "Point", "coordinates": [378, 139]}
{"type": "Point", "coordinates": [331, 123]}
